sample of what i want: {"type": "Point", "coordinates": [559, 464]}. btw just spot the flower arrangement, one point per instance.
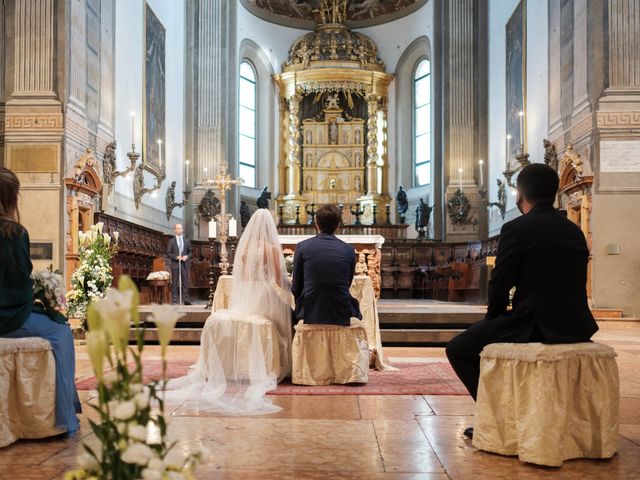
{"type": "Point", "coordinates": [49, 293]}
{"type": "Point", "coordinates": [92, 277]}
{"type": "Point", "coordinates": [288, 263]}
{"type": "Point", "coordinates": [132, 429]}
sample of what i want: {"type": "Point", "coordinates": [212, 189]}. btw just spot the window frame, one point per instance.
{"type": "Point", "coordinates": [414, 136]}
{"type": "Point", "coordinates": [254, 81]}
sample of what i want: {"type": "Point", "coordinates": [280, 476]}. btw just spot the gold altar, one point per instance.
{"type": "Point", "coordinates": [333, 121]}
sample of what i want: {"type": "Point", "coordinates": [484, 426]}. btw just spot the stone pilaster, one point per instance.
{"type": "Point", "coordinates": [624, 44]}
{"type": "Point", "coordinates": [464, 72]}
{"type": "Point", "coordinates": [212, 78]}
{"type": "Point", "coordinates": [31, 120]}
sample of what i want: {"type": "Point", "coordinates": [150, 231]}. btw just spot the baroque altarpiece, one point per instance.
{"type": "Point", "coordinates": [333, 122]}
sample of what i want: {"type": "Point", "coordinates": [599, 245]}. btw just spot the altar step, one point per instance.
{"type": "Point", "coordinates": [402, 322]}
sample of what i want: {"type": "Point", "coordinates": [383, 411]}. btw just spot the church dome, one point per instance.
{"type": "Point", "coordinates": [333, 44]}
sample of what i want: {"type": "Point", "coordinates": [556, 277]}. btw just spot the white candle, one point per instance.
{"type": "Point", "coordinates": [212, 229]}
{"type": "Point", "coordinates": [233, 227]}
{"type": "Point", "coordinates": [160, 153]}
{"type": "Point", "coordinates": [508, 152]}
{"type": "Point", "coordinates": [205, 173]}
{"type": "Point", "coordinates": [481, 163]}
{"type": "Point", "coordinates": [133, 128]}
{"type": "Point", "coordinates": [521, 115]}
{"type": "Point", "coordinates": [460, 178]}
{"type": "Point", "coordinates": [186, 173]}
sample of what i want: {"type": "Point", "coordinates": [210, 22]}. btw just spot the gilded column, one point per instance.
{"type": "Point", "coordinates": [384, 142]}
{"type": "Point", "coordinates": [293, 184]}
{"type": "Point", "coordinates": [372, 145]}
{"type": "Point", "coordinates": [284, 150]}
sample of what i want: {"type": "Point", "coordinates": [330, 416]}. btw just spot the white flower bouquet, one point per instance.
{"type": "Point", "coordinates": [49, 294]}
{"type": "Point", "coordinates": [92, 277]}
{"type": "Point", "coordinates": [132, 429]}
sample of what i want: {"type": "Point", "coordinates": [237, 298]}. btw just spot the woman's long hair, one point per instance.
{"type": "Point", "coordinates": [9, 214]}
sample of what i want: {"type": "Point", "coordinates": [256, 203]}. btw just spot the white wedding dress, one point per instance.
{"type": "Point", "coordinates": [245, 350]}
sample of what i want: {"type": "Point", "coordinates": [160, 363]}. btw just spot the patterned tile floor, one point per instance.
{"type": "Point", "coordinates": [354, 437]}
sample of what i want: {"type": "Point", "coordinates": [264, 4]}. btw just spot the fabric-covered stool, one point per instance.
{"type": "Point", "coordinates": [326, 354]}
{"type": "Point", "coordinates": [548, 403]}
{"type": "Point", "coordinates": [27, 389]}
{"type": "Point", "coordinates": [235, 334]}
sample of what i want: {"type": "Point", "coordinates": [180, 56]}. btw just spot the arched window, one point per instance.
{"type": "Point", "coordinates": [422, 123]}
{"type": "Point", "coordinates": [247, 124]}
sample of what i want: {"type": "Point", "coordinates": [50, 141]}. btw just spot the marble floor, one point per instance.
{"type": "Point", "coordinates": [353, 437]}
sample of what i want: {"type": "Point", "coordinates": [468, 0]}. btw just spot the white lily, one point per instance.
{"type": "Point", "coordinates": [107, 237]}
{"type": "Point", "coordinates": [116, 236]}
{"type": "Point", "coordinates": [165, 318]}
{"type": "Point", "coordinates": [115, 310]}
{"type": "Point", "coordinates": [137, 453]}
{"type": "Point", "coordinates": [99, 226]}
{"type": "Point", "coordinates": [98, 347]}
{"type": "Point", "coordinates": [124, 410]}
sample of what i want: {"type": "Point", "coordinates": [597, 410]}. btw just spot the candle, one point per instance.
{"type": "Point", "coordinates": [233, 227]}
{"type": "Point", "coordinates": [205, 173]}
{"type": "Point", "coordinates": [481, 162]}
{"type": "Point", "coordinates": [521, 115]}
{"type": "Point", "coordinates": [186, 175]}
{"type": "Point", "coordinates": [160, 153]}
{"type": "Point", "coordinates": [508, 152]}
{"type": "Point", "coordinates": [133, 129]}
{"type": "Point", "coordinates": [460, 179]}
{"type": "Point", "coordinates": [212, 229]}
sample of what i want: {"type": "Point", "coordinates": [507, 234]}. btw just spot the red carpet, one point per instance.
{"type": "Point", "coordinates": [411, 379]}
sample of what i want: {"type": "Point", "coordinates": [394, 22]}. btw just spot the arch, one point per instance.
{"type": "Point", "coordinates": [266, 121]}
{"type": "Point", "coordinates": [416, 52]}
{"type": "Point", "coordinates": [333, 160]}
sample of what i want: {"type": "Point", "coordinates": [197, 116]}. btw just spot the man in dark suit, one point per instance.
{"type": "Point", "coordinates": [323, 269]}
{"type": "Point", "coordinates": [544, 256]}
{"type": "Point", "coordinates": [179, 251]}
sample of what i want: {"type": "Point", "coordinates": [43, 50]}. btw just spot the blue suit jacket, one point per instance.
{"type": "Point", "coordinates": [323, 269]}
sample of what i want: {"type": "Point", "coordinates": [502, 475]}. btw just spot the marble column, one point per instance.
{"type": "Point", "coordinates": [555, 68]}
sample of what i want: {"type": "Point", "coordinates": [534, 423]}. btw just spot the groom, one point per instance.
{"type": "Point", "coordinates": [323, 269]}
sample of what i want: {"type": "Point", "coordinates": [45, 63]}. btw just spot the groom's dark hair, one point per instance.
{"type": "Point", "coordinates": [328, 218]}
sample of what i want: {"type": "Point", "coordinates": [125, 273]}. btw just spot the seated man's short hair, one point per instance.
{"type": "Point", "coordinates": [538, 183]}
{"type": "Point", "coordinates": [328, 218]}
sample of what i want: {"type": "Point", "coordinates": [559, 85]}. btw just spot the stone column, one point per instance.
{"type": "Point", "coordinates": [372, 145]}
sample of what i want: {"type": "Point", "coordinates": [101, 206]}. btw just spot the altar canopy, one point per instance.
{"type": "Point", "coordinates": [333, 90]}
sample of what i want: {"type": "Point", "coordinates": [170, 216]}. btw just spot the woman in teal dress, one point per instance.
{"type": "Point", "coordinates": [16, 302]}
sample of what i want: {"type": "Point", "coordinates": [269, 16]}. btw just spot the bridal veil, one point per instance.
{"type": "Point", "coordinates": [245, 350]}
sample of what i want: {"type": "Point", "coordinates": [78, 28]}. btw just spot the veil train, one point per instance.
{"type": "Point", "coordinates": [245, 350]}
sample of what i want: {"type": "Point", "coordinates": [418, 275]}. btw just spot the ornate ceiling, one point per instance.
{"type": "Point", "coordinates": [360, 13]}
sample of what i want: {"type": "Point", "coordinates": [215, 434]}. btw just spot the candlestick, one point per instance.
{"type": "Point", "coordinates": [481, 163]}
{"type": "Point", "coordinates": [133, 129]}
{"type": "Point", "coordinates": [160, 153]}
{"type": "Point", "coordinates": [521, 115]}
{"type": "Point", "coordinates": [212, 229]}
{"type": "Point", "coordinates": [508, 152]}
{"type": "Point", "coordinates": [460, 179]}
{"type": "Point", "coordinates": [186, 173]}
{"type": "Point", "coordinates": [233, 227]}
{"type": "Point", "coordinates": [205, 172]}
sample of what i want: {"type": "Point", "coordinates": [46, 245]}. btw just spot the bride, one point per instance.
{"type": "Point", "coordinates": [245, 350]}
